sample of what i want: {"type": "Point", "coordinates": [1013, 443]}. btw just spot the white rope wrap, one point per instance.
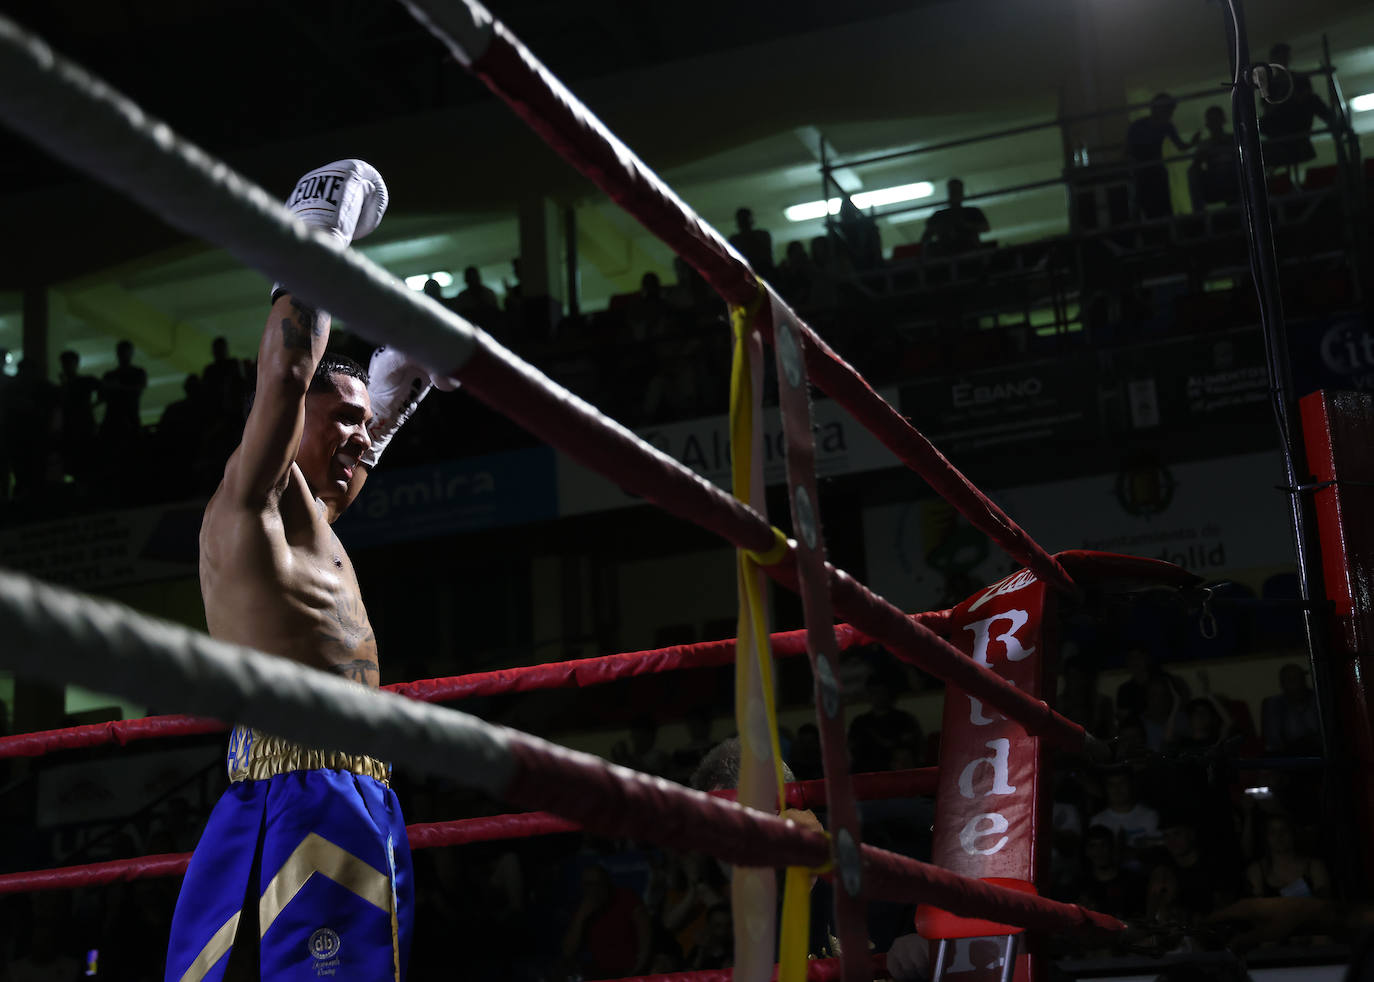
{"type": "Point", "coordinates": [63, 636]}
{"type": "Point", "coordinates": [84, 122]}
{"type": "Point", "coordinates": [465, 26]}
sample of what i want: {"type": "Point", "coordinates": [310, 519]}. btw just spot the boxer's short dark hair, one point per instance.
{"type": "Point", "coordinates": [332, 364]}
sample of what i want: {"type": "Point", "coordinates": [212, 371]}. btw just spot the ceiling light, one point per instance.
{"type": "Point", "coordinates": [444, 279]}
{"type": "Point", "coordinates": [812, 209]}
{"type": "Point", "coordinates": [1362, 102]}
{"type": "Point", "coordinates": [864, 199]}
{"type": "Point", "coordinates": [417, 282]}
{"type": "Point", "coordinates": [891, 196]}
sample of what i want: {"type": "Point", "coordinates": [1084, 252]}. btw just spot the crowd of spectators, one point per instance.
{"type": "Point", "coordinates": [65, 438]}
{"type": "Point", "coordinates": [81, 440]}
{"type": "Point", "coordinates": [1171, 835]}
{"type": "Point", "coordinates": [1164, 839]}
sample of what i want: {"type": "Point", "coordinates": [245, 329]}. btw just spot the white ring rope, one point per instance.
{"type": "Point", "coordinates": [466, 27]}
{"type": "Point", "coordinates": [64, 636]}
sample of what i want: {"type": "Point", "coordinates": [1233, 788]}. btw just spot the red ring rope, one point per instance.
{"type": "Point", "coordinates": [515, 389]}
{"type": "Point", "coordinates": [430, 835]}
{"type": "Point", "coordinates": [577, 673]}
{"type": "Point", "coordinates": [514, 74]}
{"type": "Point", "coordinates": [621, 802]}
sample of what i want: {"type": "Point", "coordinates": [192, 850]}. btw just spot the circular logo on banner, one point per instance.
{"type": "Point", "coordinates": [1145, 487]}
{"type": "Point", "coordinates": [324, 944]}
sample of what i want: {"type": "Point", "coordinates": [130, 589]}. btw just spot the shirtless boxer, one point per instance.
{"type": "Point", "coordinates": [303, 870]}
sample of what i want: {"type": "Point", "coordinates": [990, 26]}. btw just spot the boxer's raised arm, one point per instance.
{"type": "Point", "coordinates": [292, 343]}
{"type": "Point", "coordinates": [345, 200]}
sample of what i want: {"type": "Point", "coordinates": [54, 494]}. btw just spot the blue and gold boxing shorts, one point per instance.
{"type": "Point", "coordinates": [303, 872]}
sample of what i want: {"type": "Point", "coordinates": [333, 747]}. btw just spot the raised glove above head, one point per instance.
{"type": "Point", "coordinates": [346, 199]}
{"type": "Point", "coordinates": [396, 384]}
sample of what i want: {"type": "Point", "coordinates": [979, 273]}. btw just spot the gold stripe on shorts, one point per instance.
{"type": "Point", "coordinates": [256, 756]}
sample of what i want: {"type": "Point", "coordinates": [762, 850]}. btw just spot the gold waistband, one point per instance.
{"type": "Point", "coordinates": [256, 756]}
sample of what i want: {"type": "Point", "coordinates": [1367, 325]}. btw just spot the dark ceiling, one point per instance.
{"type": "Point", "coordinates": [269, 71]}
{"type": "Point", "coordinates": [265, 84]}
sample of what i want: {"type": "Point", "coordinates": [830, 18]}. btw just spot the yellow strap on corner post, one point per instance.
{"type": "Point", "coordinates": [741, 460]}
{"type": "Point", "coordinates": [795, 936]}
{"type": "Point", "coordinates": [796, 908]}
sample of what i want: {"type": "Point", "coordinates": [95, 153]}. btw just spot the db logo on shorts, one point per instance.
{"type": "Point", "coordinates": [324, 944]}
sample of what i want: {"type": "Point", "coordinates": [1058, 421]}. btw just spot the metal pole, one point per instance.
{"type": "Point", "coordinates": [1264, 267]}
{"type": "Point", "coordinates": [1014, 131]}
{"type": "Point", "coordinates": [1351, 180]}
{"type": "Point", "coordinates": [570, 261]}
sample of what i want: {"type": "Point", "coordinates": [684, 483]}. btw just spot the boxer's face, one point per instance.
{"type": "Point", "coordinates": [335, 435]}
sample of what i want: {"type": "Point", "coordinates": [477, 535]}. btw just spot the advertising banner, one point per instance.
{"type": "Point", "coordinates": [116, 787]}
{"type": "Point", "coordinates": [452, 496]}
{"type": "Point", "coordinates": [980, 411]}
{"type": "Point", "coordinates": [842, 447]}
{"type": "Point", "coordinates": [1335, 352]}
{"type": "Point", "coordinates": [987, 808]}
{"type": "Point", "coordinates": [90, 552]}
{"type": "Point", "coordinates": [1211, 517]}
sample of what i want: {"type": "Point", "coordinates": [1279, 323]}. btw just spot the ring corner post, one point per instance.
{"type": "Point", "coordinates": [1337, 429]}
{"type": "Point", "coordinates": [995, 784]}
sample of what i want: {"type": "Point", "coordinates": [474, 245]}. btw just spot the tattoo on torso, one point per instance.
{"type": "Point", "coordinates": [300, 329]}
{"type": "Point", "coordinates": [346, 630]}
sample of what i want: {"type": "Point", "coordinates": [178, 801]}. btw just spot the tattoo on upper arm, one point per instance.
{"type": "Point", "coordinates": [359, 670]}
{"type": "Point", "coordinates": [301, 328]}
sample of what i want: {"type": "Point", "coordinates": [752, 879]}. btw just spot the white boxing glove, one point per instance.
{"type": "Point", "coordinates": [345, 199]}
{"type": "Point", "coordinates": [395, 386]}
